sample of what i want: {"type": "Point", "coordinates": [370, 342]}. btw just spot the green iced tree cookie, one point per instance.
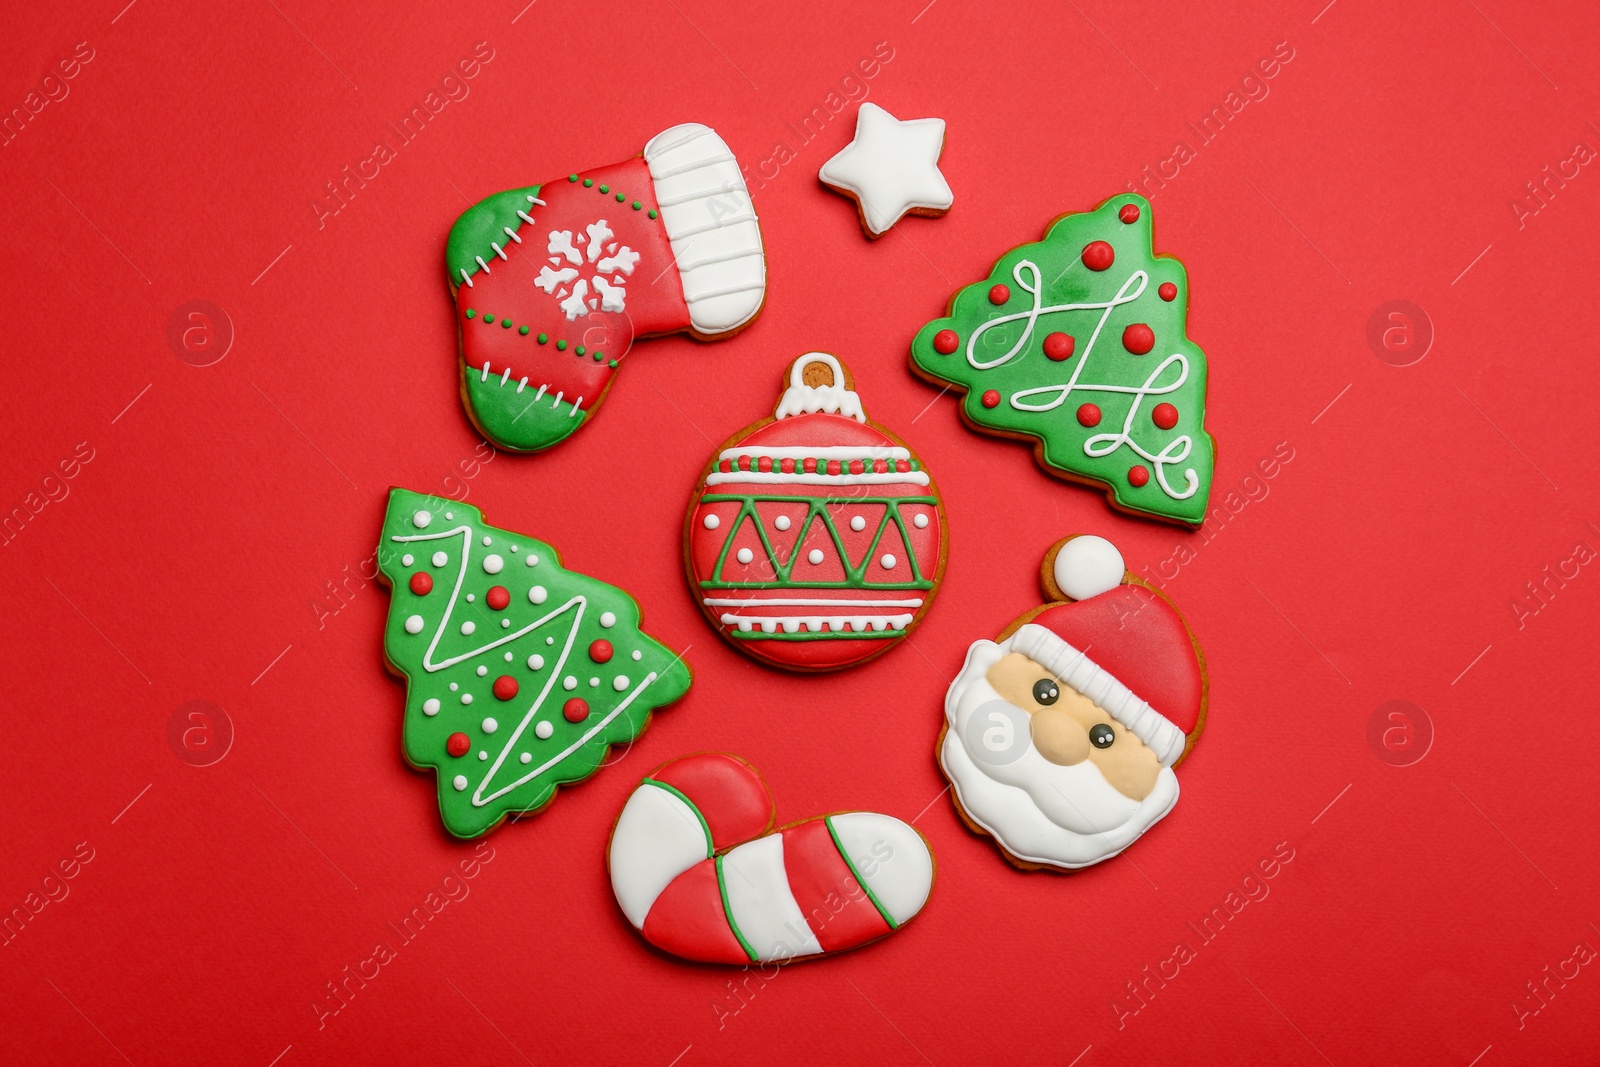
{"type": "Point", "coordinates": [1077, 343]}
{"type": "Point", "coordinates": [519, 673]}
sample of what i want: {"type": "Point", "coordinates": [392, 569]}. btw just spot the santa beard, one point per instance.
{"type": "Point", "coordinates": [1040, 812]}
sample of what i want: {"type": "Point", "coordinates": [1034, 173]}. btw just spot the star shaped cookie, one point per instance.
{"type": "Point", "coordinates": [891, 169]}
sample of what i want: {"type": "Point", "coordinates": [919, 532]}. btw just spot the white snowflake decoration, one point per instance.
{"type": "Point", "coordinates": [589, 275]}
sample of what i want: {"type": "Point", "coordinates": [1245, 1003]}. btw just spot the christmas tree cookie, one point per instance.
{"type": "Point", "coordinates": [554, 282]}
{"type": "Point", "coordinates": [519, 673]}
{"type": "Point", "coordinates": [1077, 344]}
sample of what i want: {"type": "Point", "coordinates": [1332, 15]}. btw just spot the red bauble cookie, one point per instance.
{"type": "Point", "coordinates": [816, 540]}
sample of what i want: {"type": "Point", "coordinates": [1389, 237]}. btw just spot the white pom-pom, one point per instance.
{"type": "Point", "coordinates": [1088, 566]}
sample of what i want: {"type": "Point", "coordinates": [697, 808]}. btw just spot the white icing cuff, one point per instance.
{"type": "Point", "coordinates": [1089, 678]}
{"type": "Point", "coordinates": [711, 223]}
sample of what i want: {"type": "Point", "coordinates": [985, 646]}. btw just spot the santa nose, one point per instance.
{"type": "Point", "coordinates": [1059, 737]}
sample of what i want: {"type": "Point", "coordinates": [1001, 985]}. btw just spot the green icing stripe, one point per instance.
{"type": "Point", "coordinates": [727, 912]}
{"type": "Point", "coordinates": [480, 227]}
{"type": "Point", "coordinates": [876, 903]}
{"type": "Point", "coordinates": [710, 849]}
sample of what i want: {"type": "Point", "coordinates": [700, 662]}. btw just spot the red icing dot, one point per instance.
{"type": "Point", "coordinates": [458, 744]}
{"type": "Point", "coordinates": [1089, 415]}
{"type": "Point", "coordinates": [1137, 475]}
{"type": "Point", "coordinates": [505, 687]}
{"type": "Point", "coordinates": [999, 294]}
{"type": "Point", "coordinates": [945, 342]}
{"type": "Point", "coordinates": [1138, 338]}
{"type": "Point", "coordinates": [422, 583]}
{"type": "Point", "coordinates": [1097, 255]}
{"type": "Point", "coordinates": [1167, 291]}
{"type": "Point", "coordinates": [575, 710]}
{"type": "Point", "coordinates": [833, 466]}
{"type": "Point", "coordinates": [764, 464]}
{"type": "Point", "coordinates": [1129, 213]}
{"type": "Point", "coordinates": [1164, 416]}
{"type": "Point", "coordinates": [600, 651]}
{"type": "Point", "coordinates": [497, 598]}
{"type": "Point", "coordinates": [855, 466]}
{"type": "Point", "coordinates": [1059, 346]}
{"type": "Point", "coordinates": [991, 399]}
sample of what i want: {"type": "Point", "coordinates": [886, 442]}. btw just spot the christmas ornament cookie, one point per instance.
{"type": "Point", "coordinates": [816, 540]}
{"type": "Point", "coordinates": [1077, 344]}
{"type": "Point", "coordinates": [554, 282]}
{"type": "Point", "coordinates": [519, 673]}
{"type": "Point", "coordinates": [698, 869]}
{"type": "Point", "coordinates": [1061, 737]}
{"type": "Point", "coordinates": [891, 169]}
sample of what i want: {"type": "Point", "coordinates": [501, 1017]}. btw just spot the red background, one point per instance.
{"type": "Point", "coordinates": [186, 558]}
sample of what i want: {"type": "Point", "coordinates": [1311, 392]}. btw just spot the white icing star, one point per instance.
{"type": "Point", "coordinates": [891, 167]}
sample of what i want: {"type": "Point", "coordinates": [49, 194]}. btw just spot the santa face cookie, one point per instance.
{"type": "Point", "coordinates": [519, 673]}
{"type": "Point", "coordinates": [1077, 344]}
{"type": "Point", "coordinates": [1060, 738]}
{"type": "Point", "coordinates": [816, 540]}
{"type": "Point", "coordinates": [699, 871]}
{"type": "Point", "coordinates": [554, 282]}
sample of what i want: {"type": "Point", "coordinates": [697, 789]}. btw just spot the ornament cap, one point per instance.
{"type": "Point", "coordinates": [817, 382]}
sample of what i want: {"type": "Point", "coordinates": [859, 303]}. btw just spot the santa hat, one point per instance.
{"type": "Point", "coordinates": [1123, 646]}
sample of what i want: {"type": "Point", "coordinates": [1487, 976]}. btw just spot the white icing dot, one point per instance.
{"type": "Point", "coordinates": [920, 522]}
{"type": "Point", "coordinates": [549, 640]}
{"type": "Point", "coordinates": [430, 706]}
{"type": "Point", "coordinates": [712, 522]}
{"type": "Point", "coordinates": [487, 541]}
{"type": "Point", "coordinates": [490, 726]}
{"type": "Point", "coordinates": [492, 563]}
{"type": "Point", "coordinates": [454, 687]}
{"type": "Point", "coordinates": [594, 683]}
{"type": "Point", "coordinates": [482, 754]}
{"type": "Point", "coordinates": [513, 548]}
{"type": "Point", "coordinates": [858, 524]}
{"type": "Point", "coordinates": [543, 730]}
{"type": "Point", "coordinates": [414, 624]}
{"type": "Point", "coordinates": [421, 519]}
{"type": "Point", "coordinates": [440, 559]}
{"type": "Point", "coordinates": [508, 657]}
{"type": "Point", "coordinates": [888, 561]}
{"type": "Point", "coordinates": [460, 782]}
{"type": "Point", "coordinates": [781, 522]}
{"type": "Point", "coordinates": [407, 560]}
{"type": "Point", "coordinates": [569, 682]}
{"type": "Point", "coordinates": [505, 624]}
{"type": "Point", "coordinates": [482, 671]}
{"type": "Point", "coordinates": [745, 555]}
{"type": "Point", "coordinates": [449, 514]}
{"type": "Point", "coordinates": [468, 626]}
{"type": "Point", "coordinates": [532, 560]}
{"type": "Point", "coordinates": [535, 663]}
{"type": "Point", "coordinates": [814, 556]}
{"type": "Point", "coordinates": [527, 757]}
{"type": "Point", "coordinates": [608, 619]}
{"type": "Point", "coordinates": [637, 655]}
{"type": "Point", "coordinates": [466, 698]}
{"type": "Point", "coordinates": [471, 597]}
{"type": "Point", "coordinates": [620, 682]}
{"type": "Point", "coordinates": [538, 594]}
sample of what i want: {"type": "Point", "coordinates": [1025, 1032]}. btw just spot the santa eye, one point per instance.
{"type": "Point", "coordinates": [1101, 735]}
{"type": "Point", "coordinates": [1046, 692]}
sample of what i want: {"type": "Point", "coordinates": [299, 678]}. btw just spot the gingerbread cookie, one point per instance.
{"type": "Point", "coordinates": [520, 674]}
{"type": "Point", "coordinates": [1077, 344]}
{"type": "Point", "coordinates": [1061, 737]}
{"type": "Point", "coordinates": [817, 539]}
{"type": "Point", "coordinates": [554, 282]}
{"type": "Point", "coordinates": [891, 169]}
{"type": "Point", "coordinates": [699, 871]}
